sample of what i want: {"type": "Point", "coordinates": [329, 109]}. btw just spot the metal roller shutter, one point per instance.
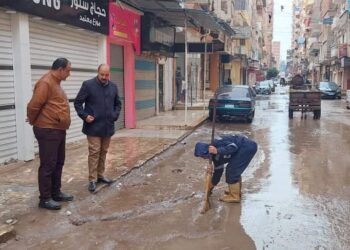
{"type": "Point", "coordinates": [8, 135]}
{"type": "Point", "coordinates": [117, 76]}
{"type": "Point", "coordinates": [50, 40]}
{"type": "Point", "coordinates": [145, 87]}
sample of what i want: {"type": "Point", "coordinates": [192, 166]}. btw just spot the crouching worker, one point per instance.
{"type": "Point", "coordinates": [235, 150]}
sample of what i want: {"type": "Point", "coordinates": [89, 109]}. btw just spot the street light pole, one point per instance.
{"type": "Point", "coordinates": [186, 76]}
{"type": "Point", "coordinates": [205, 67]}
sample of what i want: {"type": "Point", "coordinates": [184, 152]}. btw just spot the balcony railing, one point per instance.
{"type": "Point", "coordinates": [334, 52]}
{"type": "Point", "coordinates": [314, 48]}
{"type": "Point", "coordinates": [240, 50]}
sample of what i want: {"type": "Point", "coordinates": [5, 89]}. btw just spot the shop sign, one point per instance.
{"type": "Point", "coordinates": [86, 14]}
{"type": "Point", "coordinates": [328, 20]}
{"type": "Point", "coordinates": [163, 35]}
{"type": "Point", "coordinates": [125, 26]}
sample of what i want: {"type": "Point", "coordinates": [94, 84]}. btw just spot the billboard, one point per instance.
{"type": "Point", "coordinates": [86, 14]}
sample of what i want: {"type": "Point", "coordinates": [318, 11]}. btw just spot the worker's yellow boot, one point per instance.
{"type": "Point", "coordinates": [234, 193]}
{"type": "Point", "coordinates": [240, 183]}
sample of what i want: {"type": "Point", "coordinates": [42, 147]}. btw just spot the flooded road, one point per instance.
{"type": "Point", "coordinates": [296, 193]}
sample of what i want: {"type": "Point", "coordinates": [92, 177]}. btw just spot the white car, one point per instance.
{"type": "Point", "coordinates": [348, 99]}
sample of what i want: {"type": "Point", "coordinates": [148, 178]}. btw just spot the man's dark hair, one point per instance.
{"type": "Point", "coordinates": [60, 63]}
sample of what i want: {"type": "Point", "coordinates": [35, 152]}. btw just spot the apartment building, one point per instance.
{"type": "Point", "coordinates": [276, 53]}
{"type": "Point", "coordinates": [321, 39]}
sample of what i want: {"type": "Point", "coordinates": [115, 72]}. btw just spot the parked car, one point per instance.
{"type": "Point", "coordinates": [272, 85]}
{"type": "Point", "coordinates": [234, 101]}
{"type": "Point", "coordinates": [330, 90]}
{"type": "Point", "coordinates": [283, 82]}
{"type": "Point", "coordinates": [263, 87]}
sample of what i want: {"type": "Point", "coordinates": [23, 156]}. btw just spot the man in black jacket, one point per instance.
{"type": "Point", "coordinates": [101, 109]}
{"type": "Point", "coordinates": [234, 150]}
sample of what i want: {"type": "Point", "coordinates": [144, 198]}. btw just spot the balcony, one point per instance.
{"type": "Point", "coordinates": [315, 30]}
{"type": "Point", "coordinates": [260, 4]}
{"type": "Point", "coordinates": [314, 49]}
{"type": "Point", "coordinates": [343, 21]}
{"type": "Point", "coordinates": [325, 54]}
{"type": "Point", "coordinates": [343, 50]}
{"type": "Point", "coordinates": [326, 6]}
{"type": "Point", "coordinates": [334, 52]}
{"type": "Point", "coordinates": [308, 3]}
{"type": "Point", "coordinates": [240, 50]}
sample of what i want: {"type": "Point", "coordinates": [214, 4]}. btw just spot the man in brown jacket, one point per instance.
{"type": "Point", "coordinates": [48, 112]}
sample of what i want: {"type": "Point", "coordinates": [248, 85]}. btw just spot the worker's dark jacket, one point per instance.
{"type": "Point", "coordinates": [236, 150]}
{"type": "Point", "coordinates": [100, 101]}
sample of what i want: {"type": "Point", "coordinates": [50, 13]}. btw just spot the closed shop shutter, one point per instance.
{"type": "Point", "coordinates": [50, 40]}
{"type": "Point", "coordinates": [145, 84]}
{"type": "Point", "coordinates": [117, 76]}
{"type": "Point", "coordinates": [8, 135]}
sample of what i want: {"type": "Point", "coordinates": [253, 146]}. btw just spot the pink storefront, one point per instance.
{"type": "Point", "coordinates": [123, 44]}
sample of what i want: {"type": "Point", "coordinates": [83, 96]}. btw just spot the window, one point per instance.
{"type": "Point", "coordinates": [224, 6]}
{"type": "Point", "coordinates": [241, 5]}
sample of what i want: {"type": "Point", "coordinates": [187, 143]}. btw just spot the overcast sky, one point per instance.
{"type": "Point", "coordinates": [282, 25]}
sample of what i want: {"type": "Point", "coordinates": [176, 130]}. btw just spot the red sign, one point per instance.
{"type": "Point", "coordinates": [124, 26]}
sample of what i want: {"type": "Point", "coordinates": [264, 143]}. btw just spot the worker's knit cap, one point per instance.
{"type": "Point", "coordinates": [201, 150]}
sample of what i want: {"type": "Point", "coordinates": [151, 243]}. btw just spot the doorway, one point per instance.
{"type": "Point", "coordinates": [117, 76]}
{"type": "Point", "coordinates": [161, 87]}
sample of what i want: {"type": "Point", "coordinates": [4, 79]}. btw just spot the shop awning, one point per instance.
{"type": "Point", "coordinates": [174, 15]}
{"type": "Point", "coordinates": [227, 28]}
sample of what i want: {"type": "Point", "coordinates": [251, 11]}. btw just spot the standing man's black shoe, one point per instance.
{"type": "Point", "coordinates": [104, 180]}
{"type": "Point", "coordinates": [62, 197]}
{"type": "Point", "coordinates": [92, 186]}
{"type": "Point", "coordinates": [50, 204]}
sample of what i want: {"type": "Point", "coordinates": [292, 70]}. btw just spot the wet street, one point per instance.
{"type": "Point", "coordinates": [296, 193]}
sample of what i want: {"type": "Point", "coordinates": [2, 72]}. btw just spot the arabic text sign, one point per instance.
{"type": "Point", "coordinates": [86, 14]}
{"type": "Point", "coordinates": [125, 26]}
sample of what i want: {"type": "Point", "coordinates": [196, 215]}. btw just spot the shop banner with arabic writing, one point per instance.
{"type": "Point", "coordinates": [125, 26]}
{"type": "Point", "coordinates": [86, 14]}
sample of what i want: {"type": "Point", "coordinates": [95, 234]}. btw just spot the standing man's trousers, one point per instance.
{"type": "Point", "coordinates": [98, 148]}
{"type": "Point", "coordinates": [52, 144]}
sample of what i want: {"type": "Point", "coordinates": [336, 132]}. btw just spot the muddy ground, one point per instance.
{"type": "Point", "coordinates": [296, 193]}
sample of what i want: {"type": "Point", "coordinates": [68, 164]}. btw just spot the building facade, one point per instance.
{"type": "Point", "coordinates": [276, 53]}
{"type": "Point", "coordinates": [33, 35]}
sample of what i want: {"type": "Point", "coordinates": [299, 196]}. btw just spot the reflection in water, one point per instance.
{"type": "Point", "coordinates": [304, 202]}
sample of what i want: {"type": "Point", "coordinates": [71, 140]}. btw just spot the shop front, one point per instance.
{"type": "Point", "coordinates": [8, 134]}
{"type": "Point", "coordinates": [154, 68]}
{"type": "Point", "coordinates": [122, 47]}
{"type": "Point", "coordinates": [40, 32]}
{"type": "Point", "coordinates": [345, 66]}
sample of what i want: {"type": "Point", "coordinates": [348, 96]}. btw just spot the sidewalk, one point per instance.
{"type": "Point", "coordinates": [130, 148]}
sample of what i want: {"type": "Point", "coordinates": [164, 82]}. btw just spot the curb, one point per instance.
{"type": "Point", "coordinates": [165, 148]}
